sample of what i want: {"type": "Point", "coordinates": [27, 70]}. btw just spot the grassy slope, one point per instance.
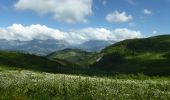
{"type": "Point", "coordinates": [72, 56]}
{"type": "Point", "coordinates": [149, 55]}
{"type": "Point", "coordinates": [28, 85]}
{"type": "Point", "coordinates": [12, 60]}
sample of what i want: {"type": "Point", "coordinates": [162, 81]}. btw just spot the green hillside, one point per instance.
{"type": "Point", "coordinates": [15, 60]}
{"type": "Point", "coordinates": [148, 55]}
{"type": "Point", "coordinates": [72, 56]}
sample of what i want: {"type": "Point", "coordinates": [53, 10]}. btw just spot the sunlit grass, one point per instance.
{"type": "Point", "coordinates": [32, 85]}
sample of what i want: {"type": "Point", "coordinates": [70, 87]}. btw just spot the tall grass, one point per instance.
{"type": "Point", "coordinates": [28, 85]}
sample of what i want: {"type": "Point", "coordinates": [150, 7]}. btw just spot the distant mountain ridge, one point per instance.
{"type": "Point", "coordinates": [45, 47]}
{"type": "Point", "coordinates": [39, 47]}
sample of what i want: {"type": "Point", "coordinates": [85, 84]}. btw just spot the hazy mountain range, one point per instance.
{"type": "Point", "coordinates": [44, 47]}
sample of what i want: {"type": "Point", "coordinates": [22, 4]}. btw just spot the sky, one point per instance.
{"type": "Point", "coordinates": [82, 20]}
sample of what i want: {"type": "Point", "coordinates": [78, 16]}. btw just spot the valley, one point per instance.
{"type": "Point", "coordinates": [125, 70]}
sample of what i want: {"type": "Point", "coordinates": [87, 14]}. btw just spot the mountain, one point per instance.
{"type": "Point", "coordinates": [74, 56]}
{"type": "Point", "coordinates": [16, 60]}
{"type": "Point", "coordinates": [150, 56]}
{"type": "Point", "coordinates": [45, 47]}
{"type": "Point", "coordinates": [95, 45]}
{"type": "Point", "coordinates": [38, 47]}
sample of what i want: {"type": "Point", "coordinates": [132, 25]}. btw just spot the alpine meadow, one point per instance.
{"type": "Point", "coordinates": [84, 50]}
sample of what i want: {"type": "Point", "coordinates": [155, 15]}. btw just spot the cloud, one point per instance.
{"type": "Point", "coordinates": [67, 11]}
{"type": "Point", "coordinates": [42, 32]}
{"type": "Point", "coordinates": [117, 34]}
{"type": "Point", "coordinates": [154, 33]}
{"type": "Point", "coordinates": [104, 2]}
{"type": "Point", "coordinates": [118, 17]}
{"type": "Point", "coordinates": [132, 24]}
{"type": "Point", "coordinates": [124, 33]}
{"type": "Point", "coordinates": [25, 33]}
{"type": "Point", "coordinates": [147, 12]}
{"type": "Point", "coordinates": [132, 2]}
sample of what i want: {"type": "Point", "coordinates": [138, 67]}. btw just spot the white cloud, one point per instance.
{"type": "Point", "coordinates": [124, 33]}
{"type": "Point", "coordinates": [68, 11]}
{"type": "Point", "coordinates": [26, 33]}
{"type": "Point", "coordinates": [118, 17]}
{"type": "Point", "coordinates": [147, 12]}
